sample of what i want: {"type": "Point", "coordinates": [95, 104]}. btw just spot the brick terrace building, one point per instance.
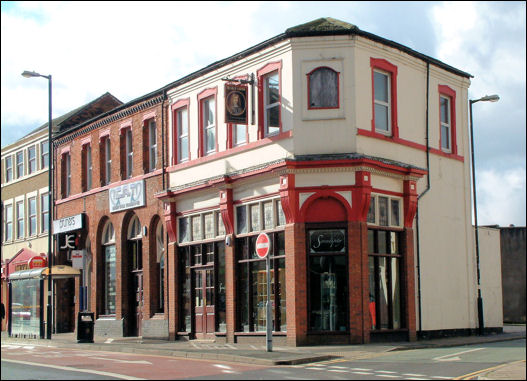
{"type": "Point", "coordinates": [327, 138]}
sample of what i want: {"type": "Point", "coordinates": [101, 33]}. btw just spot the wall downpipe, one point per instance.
{"type": "Point", "coordinates": [421, 195]}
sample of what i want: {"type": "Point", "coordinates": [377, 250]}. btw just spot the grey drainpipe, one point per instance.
{"type": "Point", "coordinates": [421, 195]}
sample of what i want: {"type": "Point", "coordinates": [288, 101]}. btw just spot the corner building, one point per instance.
{"type": "Point", "coordinates": [346, 135]}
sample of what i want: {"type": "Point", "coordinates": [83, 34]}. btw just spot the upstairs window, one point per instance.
{"type": "Point", "coordinates": [66, 175]}
{"type": "Point", "coordinates": [8, 169]}
{"type": "Point", "coordinates": [128, 154]}
{"type": "Point", "coordinates": [20, 219]}
{"type": "Point", "coordinates": [269, 99]}
{"type": "Point", "coordinates": [32, 216]}
{"type": "Point", "coordinates": [44, 212]}
{"type": "Point", "coordinates": [44, 155]}
{"type": "Point", "coordinates": [385, 211]}
{"type": "Point", "coordinates": [384, 93]}
{"type": "Point", "coordinates": [19, 164]}
{"type": "Point", "coordinates": [8, 217]}
{"type": "Point", "coordinates": [271, 104]}
{"type": "Point", "coordinates": [447, 119]}
{"type": "Point", "coordinates": [208, 109]}
{"type": "Point", "coordinates": [381, 86]}
{"type": "Point", "coordinates": [181, 132]}
{"type": "Point", "coordinates": [152, 145]}
{"type": "Point", "coordinates": [31, 159]}
{"type": "Point", "coordinates": [106, 161]}
{"type": "Point", "coordinates": [239, 134]}
{"type": "Point", "coordinates": [323, 88]}
{"type": "Point", "coordinates": [87, 168]}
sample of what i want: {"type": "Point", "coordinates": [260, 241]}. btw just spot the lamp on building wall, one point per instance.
{"type": "Point", "coordinates": [31, 74]}
{"type": "Point", "coordinates": [486, 98]}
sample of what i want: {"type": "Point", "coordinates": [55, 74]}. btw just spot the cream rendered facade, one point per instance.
{"type": "Point", "coordinates": [445, 280]}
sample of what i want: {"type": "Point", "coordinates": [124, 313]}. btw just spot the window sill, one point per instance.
{"type": "Point", "coordinates": [407, 143]}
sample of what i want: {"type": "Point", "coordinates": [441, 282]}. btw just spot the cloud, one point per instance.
{"type": "Point", "coordinates": [501, 197]}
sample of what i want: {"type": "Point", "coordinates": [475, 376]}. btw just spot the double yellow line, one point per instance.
{"type": "Point", "coordinates": [473, 375]}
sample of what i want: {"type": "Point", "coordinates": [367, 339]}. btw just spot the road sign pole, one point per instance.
{"type": "Point", "coordinates": [269, 320]}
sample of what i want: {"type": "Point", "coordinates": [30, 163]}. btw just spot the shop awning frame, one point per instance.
{"type": "Point", "coordinates": [57, 272]}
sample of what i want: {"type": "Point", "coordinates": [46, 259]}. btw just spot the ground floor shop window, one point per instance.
{"type": "Point", "coordinates": [327, 280]}
{"type": "Point", "coordinates": [202, 288]}
{"type": "Point", "coordinates": [109, 280]}
{"type": "Point", "coordinates": [384, 258]}
{"type": "Point", "coordinates": [252, 284]}
{"type": "Point", "coordinates": [26, 304]}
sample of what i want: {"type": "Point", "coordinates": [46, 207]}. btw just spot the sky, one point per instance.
{"type": "Point", "coordinates": [132, 48]}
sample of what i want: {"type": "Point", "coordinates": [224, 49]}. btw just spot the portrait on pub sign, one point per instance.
{"type": "Point", "coordinates": [236, 104]}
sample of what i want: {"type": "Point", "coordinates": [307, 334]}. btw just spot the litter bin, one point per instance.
{"type": "Point", "coordinates": [85, 327]}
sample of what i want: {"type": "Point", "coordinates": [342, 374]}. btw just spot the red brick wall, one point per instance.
{"type": "Point", "coordinates": [95, 205]}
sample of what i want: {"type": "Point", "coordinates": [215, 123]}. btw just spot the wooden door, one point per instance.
{"type": "Point", "coordinates": [204, 302]}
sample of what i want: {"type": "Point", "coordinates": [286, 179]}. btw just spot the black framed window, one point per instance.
{"type": "Point", "coordinates": [327, 279]}
{"type": "Point", "coordinates": [252, 284]}
{"type": "Point", "coordinates": [385, 263]}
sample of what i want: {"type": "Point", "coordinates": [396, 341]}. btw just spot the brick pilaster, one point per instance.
{"type": "Point", "coordinates": [296, 285]}
{"type": "Point", "coordinates": [409, 283]}
{"type": "Point", "coordinates": [230, 292]}
{"type": "Point", "coordinates": [172, 290]}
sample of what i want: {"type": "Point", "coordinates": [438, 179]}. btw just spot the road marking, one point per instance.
{"type": "Point", "coordinates": [222, 366]}
{"type": "Point", "coordinates": [385, 371]}
{"type": "Point", "coordinates": [100, 373]}
{"type": "Point", "coordinates": [368, 373]}
{"type": "Point", "coordinates": [313, 368]}
{"type": "Point", "coordinates": [338, 367]}
{"type": "Point", "coordinates": [388, 375]}
{"type": "Point", "coordinates": [337, 371]}
{"type": "Point", "coordinates": [365, 369]}
{"type": "Point", "coordinates": [414, 375]}
{"type": "Point", "coordinates": [456, 358]}
{"type": "Point", "coordinates": [441, 378]}
{"type": "Point", "coordinates": [123, 361]}
{"type": "Point", "coordinates": [470, 376]}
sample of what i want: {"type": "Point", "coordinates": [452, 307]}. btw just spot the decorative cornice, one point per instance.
{"type": "Point", "coordinates": [123, 114]}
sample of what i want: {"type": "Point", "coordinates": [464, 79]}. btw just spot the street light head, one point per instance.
{"type": "Point", "coordinates": [491, 98]}
{"type": "Point", "coordinates": [29, 74]}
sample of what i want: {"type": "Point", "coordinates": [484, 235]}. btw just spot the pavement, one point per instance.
{"type": "Point", "coordinates": [285, 355]}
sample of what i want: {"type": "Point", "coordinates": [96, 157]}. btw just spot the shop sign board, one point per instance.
{"type": "Point", "coordinates": [263, 245]}
{"type": "Point", "coordinates": [67, 224]}
{"type": "Point", "coordinates": [327, 241]}
{"type": "Point", "coordinates": [127, 196]}
{"type": "Point", "coordinates": [37, 262]}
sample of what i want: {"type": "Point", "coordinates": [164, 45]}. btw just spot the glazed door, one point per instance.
{"type": "Point", "coordinates": [204, 302]}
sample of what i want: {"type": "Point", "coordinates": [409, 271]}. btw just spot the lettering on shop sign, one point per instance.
{"type": "Point", "coordinates": [67, 224]}
{"type": "Point", "coordinates": [127, 196]}
{"type": "Point", "coordinates": [327, 241]}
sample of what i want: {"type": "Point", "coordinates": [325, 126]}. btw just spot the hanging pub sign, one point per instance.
{"type": "Point", "coordinates": [127, 196]}
{"type": "Point", "coordinates": [327, 241]}
{"type": "Point", "coordinates": [235, 104]}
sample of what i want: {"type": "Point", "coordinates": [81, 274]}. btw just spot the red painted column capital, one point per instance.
{"type": "Point", "coordinates": [410, 202]}
{"type": "Point", "coordinates": [171, 220]}
{"type": "Point", "coordinates": [361, 196]}
{"type": "Point", "coordinates": [289, 198]}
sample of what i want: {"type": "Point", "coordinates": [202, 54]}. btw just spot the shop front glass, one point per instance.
{"type": "Point", "coordinates": [25, 307]}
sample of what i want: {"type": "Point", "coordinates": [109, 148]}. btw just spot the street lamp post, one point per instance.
{"type": "Point", "coordinates": [486, 98]}
{"type": "Point", "coordinates": [30, 74]}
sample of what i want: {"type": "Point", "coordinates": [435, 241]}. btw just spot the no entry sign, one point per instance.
{"type": "Point", "coordinates": [263, 245]}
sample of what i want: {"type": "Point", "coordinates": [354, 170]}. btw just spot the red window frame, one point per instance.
{"type": "Point", "coordinates": [202, 96]}
{"type": "Point", "coordinates": [450, 93]}
{"type": "Point", "coordinates": [384, 65]}
{"type": "Point", "coordinates": [177, 106]}
{"type": "Point", "coordinates": [309, 92]}
{"type": "Point", "coordinates": [261, 73]}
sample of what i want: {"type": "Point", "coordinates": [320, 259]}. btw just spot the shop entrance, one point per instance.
{"type": "Point", "coordinates": [138, 303]}
{"type": "Point", "coordinates": [204, 302]}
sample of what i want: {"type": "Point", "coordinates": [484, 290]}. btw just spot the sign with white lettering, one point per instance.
{"type": "Point", "coordinates": [68, 241]}
{"type": "Point", "coordinates": [127, 196]}
{"type": "Point", "coordinates": [67, 224]}
{"type": "Point", "coordinates": [327, 241]}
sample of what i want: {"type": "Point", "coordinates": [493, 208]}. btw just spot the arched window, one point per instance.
{"type": "Point", "coordinates": [108, 243]}
{"type": "Point", "coordinates": [323, 88]}
{"type": "Point", "coordinates": [160, 249]}
{"type": "Point", "coordinates": [134, 235]}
